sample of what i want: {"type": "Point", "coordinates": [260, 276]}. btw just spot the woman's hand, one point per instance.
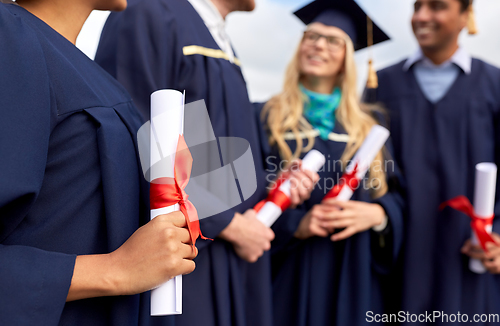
{"type": "Point", "coordinates": [155, 253]}
{"type": "Point", "coordinates": [490, 259]}
{"type": "Point", "coordinates": [331, 214]}
{"type": "Point", "coordinates": [312, 223]}
{"type": "Point", "coordinates": [354, 216]}
{"type": "Point", "coordinates": [301, 182]}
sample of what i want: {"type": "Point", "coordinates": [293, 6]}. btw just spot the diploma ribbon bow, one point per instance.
{"type": "Point", "coordinates": [166, 192]}
{"type": "Point", "coordinates": [276, 196]}
{"type": "Point", "coordinates": [478, 224]}
{"type": "Point", "coordinates": [347, 180]}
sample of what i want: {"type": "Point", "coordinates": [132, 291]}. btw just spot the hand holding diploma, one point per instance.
{"type": "Point", "coordinates": [337, 211]}
{"type": "Point", "coordinates": [164, 242]}
{"type": "Point", "coordinates": [490, 259]}
{"type": "Point", "coordinates": [352, 216]}
{"type": "Point", "coordinates": [155, 253]}
{"type": "Point", "coordinates": [481, 216]}
{"type": "Point", "coordinates": [163, 249]}
{"type": "Point", "coordinates": [251, 236]}
{"type": "Point", "coordinates": [360, 164]}
{"type": "Point", "coordinates": [302, 181]}
{"type": "Point", "coordinates": [171, 164]}
{"type": "Point", "coordinates": [278, 200]}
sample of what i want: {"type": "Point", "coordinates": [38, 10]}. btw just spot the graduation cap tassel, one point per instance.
{"type": "Point", "coordinates": [372, 81]}
{"type": "Point", "coordinates": [471, 23]}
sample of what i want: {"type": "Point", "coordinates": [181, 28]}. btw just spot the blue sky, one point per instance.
{"type": "Point", "coordinates": [266, 38]}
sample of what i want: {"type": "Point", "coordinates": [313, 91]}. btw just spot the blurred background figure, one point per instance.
{"type": "Point", "coordinates": [444, 109]}
{"type": "Point", "coordinates": [328, 256]}
{"type": "Point", "coordinates": [266, 38]}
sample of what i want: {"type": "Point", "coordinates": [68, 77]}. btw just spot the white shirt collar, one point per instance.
{"type": "Point", "coordinates": [208, 12]}
{"type": "Point", "coordinates": [461, 58]}
{"type": "Point", "coordinates": [215, 24]}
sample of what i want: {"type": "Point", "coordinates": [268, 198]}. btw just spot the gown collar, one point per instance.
{"type": "Point", "coordinates": [215, 24]}
{"type": "Point", "coordinates": [460, 58]}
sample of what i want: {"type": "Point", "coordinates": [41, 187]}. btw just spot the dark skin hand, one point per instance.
{"type": "Point", "coordinates": [490, 259]}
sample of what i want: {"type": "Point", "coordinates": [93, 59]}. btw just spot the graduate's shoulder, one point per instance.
{"type": "Point", "coordinates": [154, 12]}
{"type": "Point", "coordinates": [391, 71]}
{"type": "Point", "coordinates": [479, 63]}
{"type": "Point", "coordinates": [17, 35]}
{"type": "Point", "coordinates": [389, 85]}
{"type": "Point", "coordinates": [21, 52]}
{"type": "Point", "coordinates": [487, 71]}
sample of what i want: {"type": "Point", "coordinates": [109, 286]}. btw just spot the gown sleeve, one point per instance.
{"type": "Point", "coordinates": [34, 283]}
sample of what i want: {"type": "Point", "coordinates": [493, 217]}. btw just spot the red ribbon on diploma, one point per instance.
{"type": "Point", "coordinates": [166, 192]}
{"type": "Point", "coordinates": [276, 196]}
{"type": "Point", "coordinates": [347, 179]}
{"type": "Point", "coordinates": [478, 224]}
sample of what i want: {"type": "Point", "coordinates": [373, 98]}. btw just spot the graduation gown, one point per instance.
{"type": "Point", "coordinates": [317, 282]}
{"type": "Point", "coordinates": [71, 179]}
{"type": "Point", "coordinates": [437, 147]}
{"type": "Point", "coordinates": [148, 47]}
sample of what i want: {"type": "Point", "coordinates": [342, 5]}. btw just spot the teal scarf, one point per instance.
{"type": "Point", "coordinates": [319, 110]}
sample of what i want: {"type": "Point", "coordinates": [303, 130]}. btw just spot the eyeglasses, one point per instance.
{"type": "Point", "coordinates": [334, 43]}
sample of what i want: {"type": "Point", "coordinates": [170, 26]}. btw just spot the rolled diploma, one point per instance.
{"type": "Point", "coordinates": [364, 157]}
{"type": "Point", "coordinates": [270, 212]}
{"type": "Point", "coordinates": [484, 203]}
{"type": "Point", "coordinates": [167, 121]}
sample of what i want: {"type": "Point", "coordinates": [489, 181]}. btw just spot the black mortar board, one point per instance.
{"type": "Point", "coordinates": [346, 15]}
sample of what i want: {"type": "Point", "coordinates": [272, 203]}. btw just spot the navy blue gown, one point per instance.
{"type": "Point", "coordinates": [437, 147]}
{"type": "Point", "coordinates": [71, 180]}
{"type": "Point", "coordinates": [317, 282]}
{"type": "Point", "coordinates": [146, 48]}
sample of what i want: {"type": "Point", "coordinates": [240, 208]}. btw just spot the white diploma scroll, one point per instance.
{"type": "Point", "coordinates": [270, 212]}
{"type": "Point", "coordinates": [484, 203]}
{"type": "Point", "coordinates": [364, 157]}
{"type": "Point", "coordinates": [167, 123]}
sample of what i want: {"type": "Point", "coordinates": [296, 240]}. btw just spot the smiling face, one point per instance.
{"type": "Point", "coordinates": [322, 57]}
{"type": "Point", "coordinates": [437, 23]}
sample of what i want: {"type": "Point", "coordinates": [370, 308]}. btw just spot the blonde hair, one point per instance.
{"type": "Point", "coordinates": [284, 113]}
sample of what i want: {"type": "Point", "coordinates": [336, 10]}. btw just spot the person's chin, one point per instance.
{"type": "Point", "coordinates": [312, 71]}
{"type": "Point", "coordinates": [315, 74]}
{"type": "Point", "coordinates": [248, 5]}
{"type": "Point", "coordinates": [121, 6]}
{"type": "Point", "coordinates": [427, 43]}
{"type": "Point", "coordinates": [117, 6]}
{"type": "Point", "coordinates": [251, 7]}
